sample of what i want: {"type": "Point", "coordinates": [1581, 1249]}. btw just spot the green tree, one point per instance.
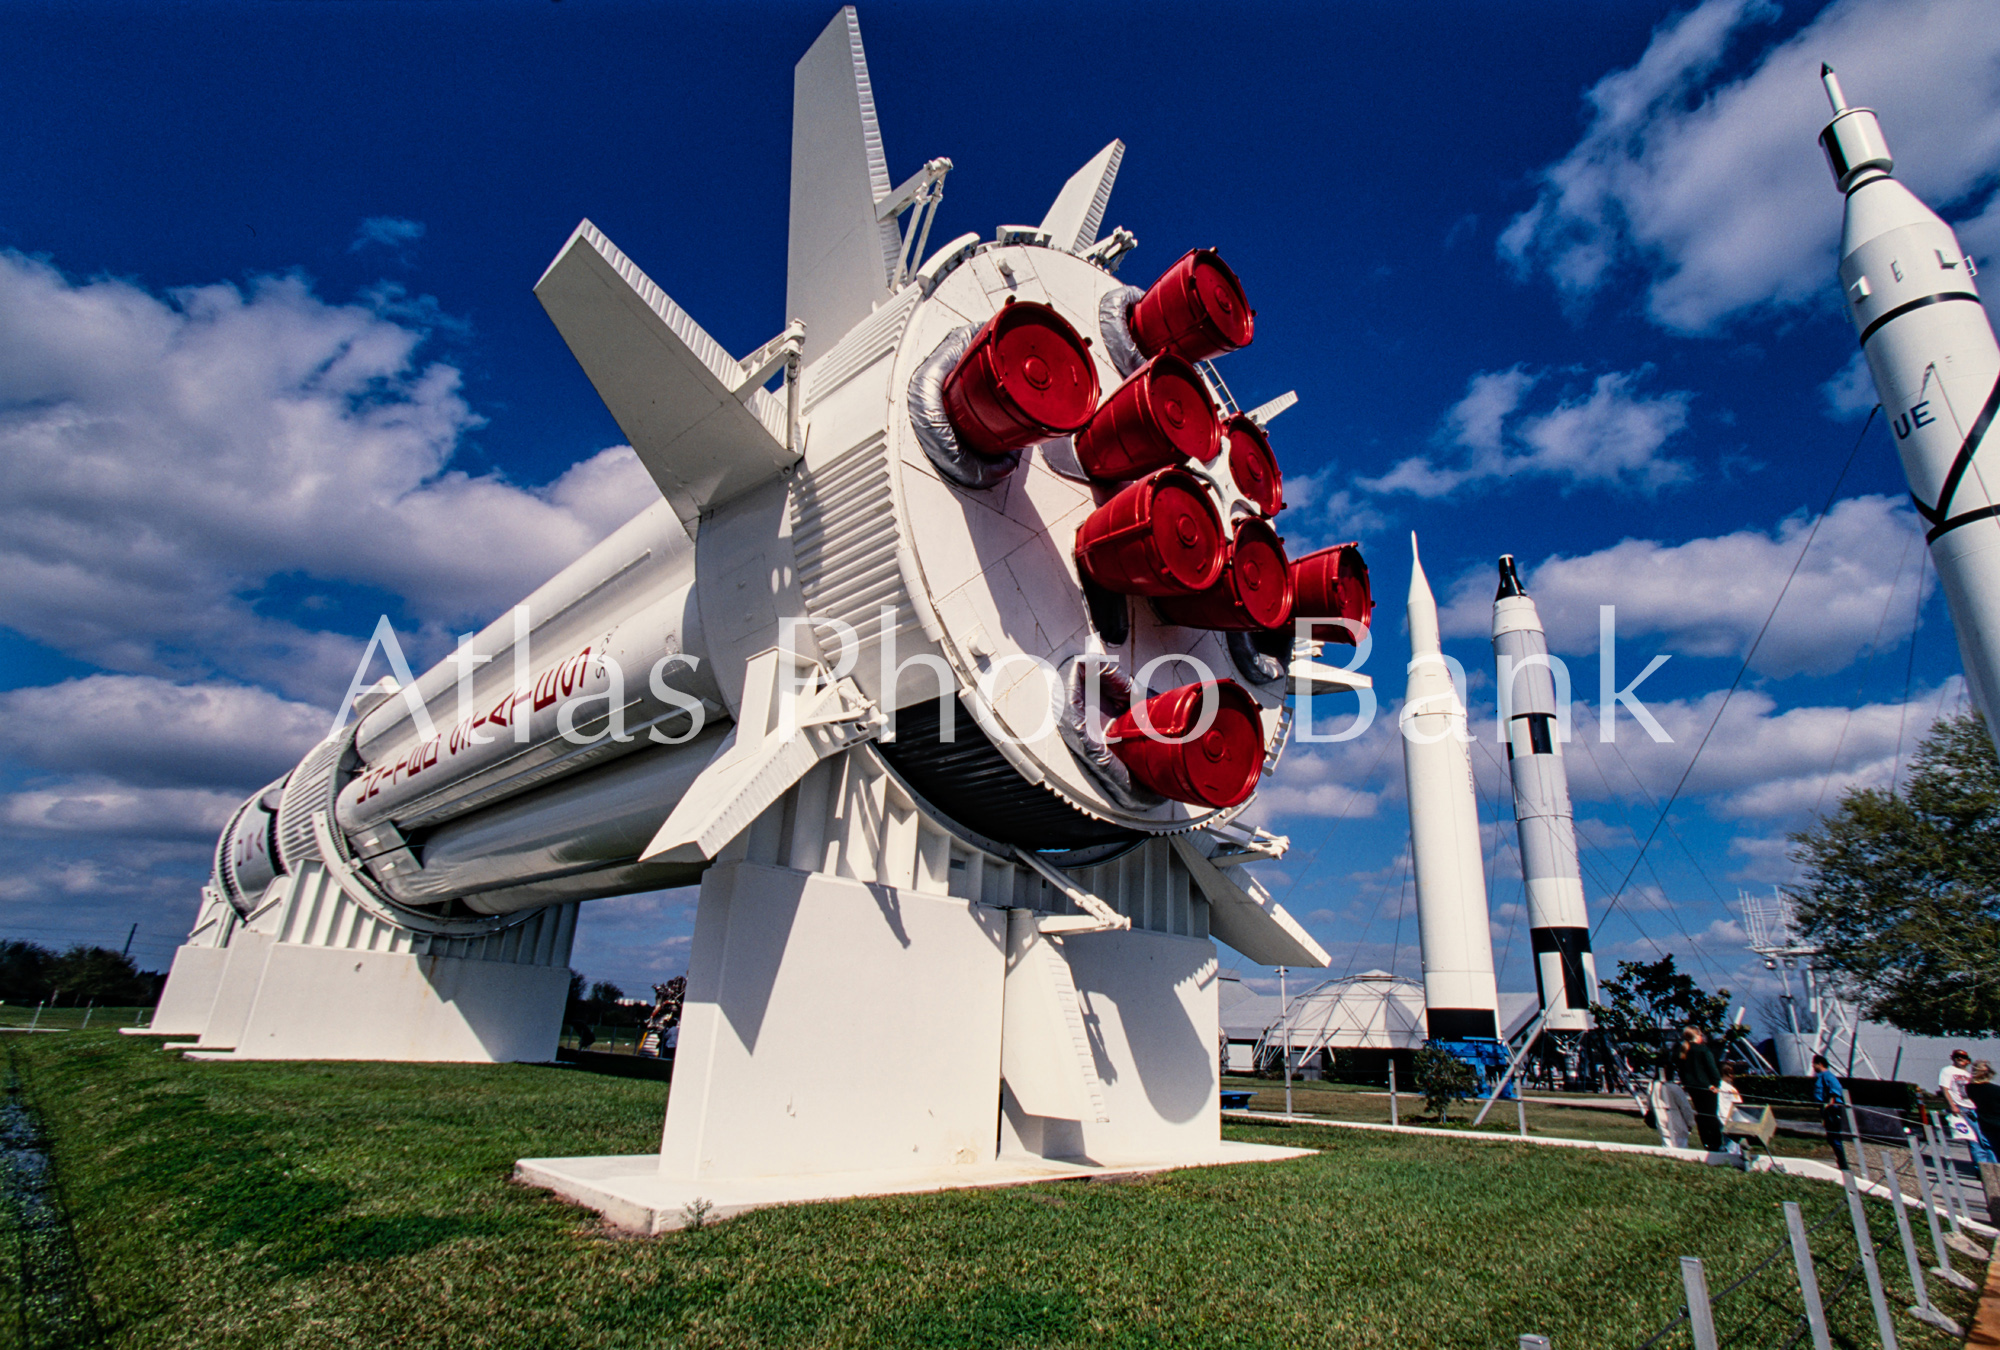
{"type": "Point", "coordinates": [98, 975]}
{"type": "Point", "coordinates": [1901, 890]}
{"type": "Point", "coordinates": [1443, 1078]}
{"type": "Point", "coordinates": [1648, 1004]}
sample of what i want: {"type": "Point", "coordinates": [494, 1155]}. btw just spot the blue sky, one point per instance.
{"type": "Point", "coordinates": [1550, 279]}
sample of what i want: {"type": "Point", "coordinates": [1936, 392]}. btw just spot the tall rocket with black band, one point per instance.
{"type": "Point", "coordinates": [1461, 1002]}
{"type": "Point", "coordinates": [1558, 924]}
{"type": "Point", "coordinates": [1930, 347]}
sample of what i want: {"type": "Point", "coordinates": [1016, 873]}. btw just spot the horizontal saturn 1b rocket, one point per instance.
{"type": "Point", "coordinates": [1930, 347]}
{"type": "Point", "coordinates": [945, 667]}
{"type": "Point", "coordinates": [1535, 721]}
{"type": "Point", "coordinates": [1461, 1002]}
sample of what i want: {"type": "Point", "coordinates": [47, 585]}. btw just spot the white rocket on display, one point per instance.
{"type": "Point", "coordinates": [1461, 1001]}
{"type": "Point", "coordinates": [1558, 923]}
{"type": "Point", "coordinates": [1930, 347]}
{"type": "Point", "coordinates": [907, 664]}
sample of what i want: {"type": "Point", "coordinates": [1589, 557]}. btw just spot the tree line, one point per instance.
{"type": "Point", "coordinates": [73, 978]}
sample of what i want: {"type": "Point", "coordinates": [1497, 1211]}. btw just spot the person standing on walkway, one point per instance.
{"type": "Point", "coordinates": [1832, 1099]}
{"type": "Point", "coordinates": [1952, 1081]}
{"type": "Point", "coordinates": [1701, 1077]}
{"type": "Point", "coordinates": [1984, 1094]}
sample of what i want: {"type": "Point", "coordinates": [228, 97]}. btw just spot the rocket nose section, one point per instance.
{"type": "Point", "coordinates": [1513, 610]}
{"type": "Point", "coordinates": [1423, 611]}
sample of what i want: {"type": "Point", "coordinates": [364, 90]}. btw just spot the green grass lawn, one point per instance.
{"type": "Point", "coordinates": [219, 1204]}
{"type": "Point", "coordinates": [1345, 1101]}
{"type": "Point", "coordinates": [25, 1014]}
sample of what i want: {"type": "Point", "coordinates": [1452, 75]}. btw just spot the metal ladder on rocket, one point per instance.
{"type": "Point", "coordinates": [1930, 348]}
{"type": "Point", "coordinates": [1534, 708]}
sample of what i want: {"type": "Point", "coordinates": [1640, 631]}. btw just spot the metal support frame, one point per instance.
{"type": "Point", "coordinates": [1878, 1297]}
{"type": "Point", "coordinates": [1802, 1262]}
{"type": "Point", "coordinates": [1922, 1309]}
{"type": "Point", "coordinates": [1513, 1066]}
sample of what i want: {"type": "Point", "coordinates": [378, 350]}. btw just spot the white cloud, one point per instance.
{"type": "Point", "coordinates": [104, 808]}
{"type": "Point", "coordinates": [1720, 195]}
{"type": "Point", "coordinates": [387, 231]}
{"type": "Point", "coordinates": [149, 732]}
{"type": "Point", "coordinates": [1851, 391]}
{"type": "Point", "coordinates": [1610, 434]}
{"type": "Point", "coordinates": [1761, 763]}
{"type": "Point", "coordinates": [162, 459]}
{"type": "Point", "coordinates": [1708, 597]}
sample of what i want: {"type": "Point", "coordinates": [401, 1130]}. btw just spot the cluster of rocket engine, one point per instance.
{"type": "Point", "coordinates": [1163, 450]}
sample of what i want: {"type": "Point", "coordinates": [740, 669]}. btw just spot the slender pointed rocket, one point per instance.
{"type": "Point", "coordinates": [1558, 923]}
{"type": "Point", "coordinates": [1930, 347]}
{"type": "Point", "coordinates": [1461, 1002]}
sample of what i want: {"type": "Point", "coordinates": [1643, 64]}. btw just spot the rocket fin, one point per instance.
{"type": "Point", "coordinates": [677, 395]}
{"type": "Point", "coordinates": [760, 762]}
{"type": "Point", "coordinates": [1243, 914]}
{"type": "Point", "coordinates": [839, 257]}
{"type": "Point", "coordinates": [1072, 222]}
{"type": "Point", "coordinates": [1045, 1053]}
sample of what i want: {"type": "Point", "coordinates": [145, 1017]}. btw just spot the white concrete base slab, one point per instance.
{"type": "Point", "coordinates": [147, 1031]}
{"type": "Point", "coordinates": [631, 1194]}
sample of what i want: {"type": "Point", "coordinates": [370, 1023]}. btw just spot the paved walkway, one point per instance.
{"type": "Point", "coordinates": [1986, 1322]}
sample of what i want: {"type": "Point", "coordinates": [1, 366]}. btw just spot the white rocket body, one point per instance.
{"type": "Point", "coordinates": [1461, 1001]}
{"type": "Point", "coordinates": [1909, 289]}
{"type": "Point", "coordinates": [1558, 923]}
{"type": "Point", "coordinates": [611, 733]}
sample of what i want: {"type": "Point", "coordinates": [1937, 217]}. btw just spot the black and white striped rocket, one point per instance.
{"type": "Point", "coordinates": [1930, 347]}
{"type": "Point", "coordinates": [1558, 924]}
{"type": "Point", "coordinates": [1461, 1000]}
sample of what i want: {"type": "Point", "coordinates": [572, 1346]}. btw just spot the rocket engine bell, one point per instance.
{"type": "Point", "coordinates": [1930, 348]}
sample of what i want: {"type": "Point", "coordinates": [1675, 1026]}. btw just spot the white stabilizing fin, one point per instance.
{"type": "Point", "coordinates": [678, 396]}
{"type": "Point", "coordinates": [761, 759]}
{"type": "Point", "coordinates": [1073, 221]}
{"type": "Point", "coordinates": [1243, 914]}
{"type": "Point", "coordinates": [1045, 1053]}
{"type": "Point", "coordinates": [1264, 412]}
{"type": "Point", "coordinates": [839, 257]}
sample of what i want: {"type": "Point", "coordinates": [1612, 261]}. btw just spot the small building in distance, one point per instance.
{"type": "Point", "coordinates": [1350, 1027]}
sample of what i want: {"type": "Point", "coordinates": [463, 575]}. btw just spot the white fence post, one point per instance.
{"type": "Point", "coordinates": [1802, 1262]}
{"type": "Point", "coordinates": [1884, 1327]}
{"type": "Point", "coordinates": [1701, 1318]}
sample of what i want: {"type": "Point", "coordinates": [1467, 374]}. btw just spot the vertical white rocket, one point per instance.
{"type": "Point", "coordinates": [1929, 345]}
{"type": "Point", "coordinates": [1461, 1002]}
{"type": "Point", "coordinates": [1558, 924]}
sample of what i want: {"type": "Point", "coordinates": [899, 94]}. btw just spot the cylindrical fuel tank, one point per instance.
{"type": "Point", "coordinates": [505, 857]}
{"type": "Point", "coordinates": [617, 630]}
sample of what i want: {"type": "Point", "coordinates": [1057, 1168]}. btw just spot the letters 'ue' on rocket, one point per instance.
{"type": "Point", "coordinates": [1909, 289]}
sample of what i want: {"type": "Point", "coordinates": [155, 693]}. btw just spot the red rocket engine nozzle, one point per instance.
{"type": "Point", "coordinates": [1332, 583]}
{"type": "Point", "coordinates": [1254, 465]}
{"type": "Point", "coordinates": [1159, 536]}
{"type": "Point", "coordinates": [1254, 591]}
{"type": "Point", "coordinates": [1197, 310]}
{"type": "Point", "coordinates": [1026, 377]}
{"type": "Point", "coordinates": [1158, 418]}
{"type": "Point", "coordinates": [1165, 745]}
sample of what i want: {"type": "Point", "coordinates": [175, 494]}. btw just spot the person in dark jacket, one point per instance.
{"type": "Point", "coordinates": [1832, 1099]}
{"type": "Point", "coordinates": [1701, 1076]}
{"type": "Point", "coordinates": [1985, 1095]}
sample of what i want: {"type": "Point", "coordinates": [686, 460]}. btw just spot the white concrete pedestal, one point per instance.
{"type": "Point", "coordinates": [631, 1193]}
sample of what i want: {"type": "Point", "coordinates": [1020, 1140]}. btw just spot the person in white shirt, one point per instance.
{"type": "Point", "coordinates": [1952, 1080]}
